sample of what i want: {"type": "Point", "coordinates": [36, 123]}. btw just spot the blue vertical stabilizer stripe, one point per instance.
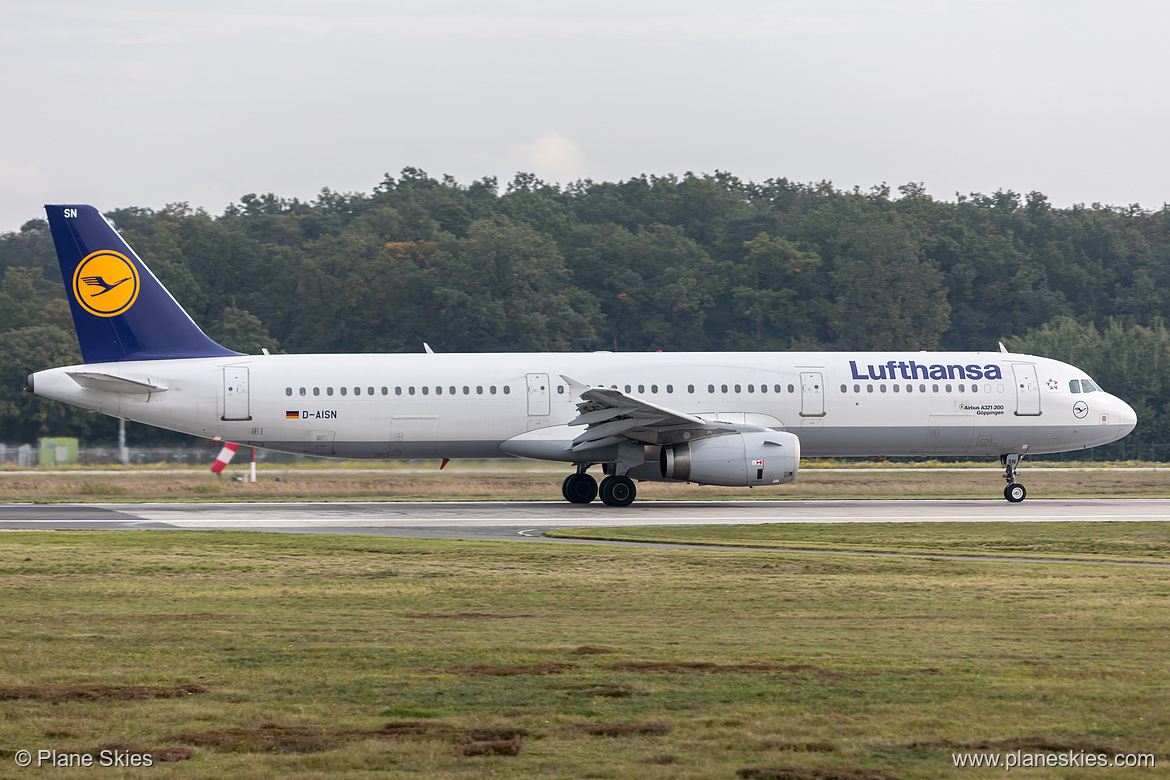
{"type": "Point", "coordinates": [137, 319]}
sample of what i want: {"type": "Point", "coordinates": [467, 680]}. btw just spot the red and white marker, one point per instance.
{"type": "Point", "coordinates": [224, 457]}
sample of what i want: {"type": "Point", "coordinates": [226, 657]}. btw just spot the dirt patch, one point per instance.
{"type": "Point", "coordinates": [160, 754]}
{"type": "Point", "coordinates": [460, 616]}
{"type": "Point", "coordinates": [509, 671]}
{"type": "Point", "coordinates": [798, 747]}
{"type": "Point", "coordinates": [809, 773]}
{"type": "Point", "coordinates": [707, 667]}
{"type": "Point", "coordinates": [607, 690]}
{"type": "Point", "coordinates": [759, 667]}
{"type": "Point", "coordinates": [594, 650]}
{"type": "Point", "coordinates": [1034, 744]}
{"type": "Point", "coordinates": [276, 738]}
{"type": "Point", "coordinates": [62, 693]}
{"type": "Point", "coordinates": [503, 747]}
{"type": "Point", "coordinates": [654, 728]}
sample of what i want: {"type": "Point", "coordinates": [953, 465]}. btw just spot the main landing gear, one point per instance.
{"type": "Point", "coordinates": [1014, 492]}
{"type": "Point", "coordinates": [616, 490]}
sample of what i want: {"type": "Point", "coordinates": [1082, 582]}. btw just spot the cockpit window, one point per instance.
{"type": "Point", "coordinates": [1089, 386]}
{"type": "Point", "coordinates": [1074, 385]}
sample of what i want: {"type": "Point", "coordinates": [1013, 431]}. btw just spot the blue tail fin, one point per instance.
{"type": "Point", "coordinates": [120, 310]}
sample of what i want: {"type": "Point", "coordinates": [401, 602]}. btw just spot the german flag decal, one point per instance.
{"type": "Point", "coordinates": [292, 415]}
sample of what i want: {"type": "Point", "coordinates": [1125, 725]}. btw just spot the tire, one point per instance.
{"type": "Point", "coordinates": [579, 488]}
{"type": "Point", "coordinates": [1015, 492]}
{"type": "Point", "coordinates": [618, 491]}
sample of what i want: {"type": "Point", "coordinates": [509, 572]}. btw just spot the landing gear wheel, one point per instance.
{"type": "Point", "coordinates": [618, 491]}
{"type": "Point", "coordinates": [579, 488]}
{"type": "Point", "coordinates": [1015, 492]}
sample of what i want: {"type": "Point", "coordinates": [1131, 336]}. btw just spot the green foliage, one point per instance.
{"type": "Point", "coordinates": [697, 262]}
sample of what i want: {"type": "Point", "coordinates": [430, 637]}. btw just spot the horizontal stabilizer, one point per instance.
{"type": "Point", "coordinates": [115, 384]}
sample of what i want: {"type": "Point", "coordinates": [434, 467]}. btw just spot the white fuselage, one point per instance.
{"type": "Point", "coordinates": [471, 405]}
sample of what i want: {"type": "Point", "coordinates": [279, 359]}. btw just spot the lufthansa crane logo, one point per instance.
{"type": "Point", "coordinates": [105, 283]}
{"type": "Point", "coordinates": [1080, 409]}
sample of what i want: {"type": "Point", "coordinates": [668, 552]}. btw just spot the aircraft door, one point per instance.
{"type": "Point", "coordinates": [235, 393]}
{"type": "Point", "coordinates": [539, 402]}
{"type": "Point", "coordinates": [1027, 390]}
{"type": "Point", "coordinates": [812, 394]}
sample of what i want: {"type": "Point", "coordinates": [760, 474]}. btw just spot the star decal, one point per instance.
{"type": "Point", "coordinates": [1053, 384]}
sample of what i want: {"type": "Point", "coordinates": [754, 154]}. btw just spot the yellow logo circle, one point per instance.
{"type": "Point", "coordinates": [105, 283]}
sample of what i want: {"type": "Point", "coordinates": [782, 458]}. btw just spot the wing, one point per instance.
{"type": "Point", "coordinates": [611, 417]}
{"type": "Point", "coordinates": [96, 281]}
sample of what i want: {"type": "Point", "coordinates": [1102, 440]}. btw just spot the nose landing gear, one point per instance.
{"type": "Point", "coordinates": [1014, 492]}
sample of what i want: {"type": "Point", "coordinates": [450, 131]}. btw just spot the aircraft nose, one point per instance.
{"type": "Point", "coordinates": [1127, 417]}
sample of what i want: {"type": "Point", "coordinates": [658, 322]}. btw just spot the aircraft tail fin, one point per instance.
{"type": "Point", "coordinates": [120, 310]}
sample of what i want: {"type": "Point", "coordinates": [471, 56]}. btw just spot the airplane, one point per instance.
{"type": "Point", "coordinates": [720, 418]}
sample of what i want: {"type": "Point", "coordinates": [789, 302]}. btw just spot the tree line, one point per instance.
{"type": "Point", "coordinates": [690, 262]}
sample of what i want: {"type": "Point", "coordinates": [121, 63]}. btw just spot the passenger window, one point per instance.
{"type": "Point", "coordinates": [560, 389]}
{"type": "Point", "coordinates": [385, 390]}
{"type": "Point", "coordinates": [653, 388]}
{"type": "Point", "coordinates": [934, 388]}
{"type": "Point", "coordinates": [723, 388]}
{"type": "Point", "coordinates": [844, 388]}
{"type": "Point", "coordinates": [857, 388]}
{"type": "Point", "coordinates": [328, 391]}
{"type": "Point", "coordinates": [641, 388]}
{"type": "Point", "coordinates": [627, 388]}
{"type": "Point", "coordinates": [301, 391]}
{"type": "Point", "coordinates": [869, 388]}
{"type": "Point", "coordinates": [343, 391]}
{"type": "Point", "coordinates": [426, 390]}
{"type": "Point", "coordinates": [690, 388]}
{"type": "Point", "coordinates": [737, 389]}
{"type": "Point", "coordinates": [763, 388]}
{"type": "Point", "coordinates": [451, 390]}
{"type": "Point", "coordinates": [410, 389]}
{"type": "Point", "coordinates": [316, 391]}
{"type": "Point", "coordinates": [882, 388]}
{"type": "Point", "coordinates": [357, 391]}
{"type": "Point", "coordinates": [507, 389]}
{"type": "Point", "coordinates": [897, 388]}
{"type": "Point", "coordinates": [710, 388]}
{"type": "Point", "coordinates": [492, 389]}
{"type": "Point", "coordinates": [791, 389]}
{"type": "Point", "coordinates": [398, 391]}
{"type": "Point", "coordinates": [962, 388]}
{"type": "Point", "coordinates": [670, 388]}
{"type": "Point", "coordinates": [288, 391]}
{"type": "Point", "coordinates": [948, 388]}
{"type": "Point", "coordinates": [479, 389]}
{"type": "Point", "coordinates": [439, 390]}
{"type": "Point", "coordinates": [974, 388]}
{"type": "Point", "coordinates": [467, 390]}
{"type": "Point", "coordinates": [370, 390]}
{"type": "Point", "coordinates": [751, 388]}
{"type": "Point", "coordinates": [777, 388]}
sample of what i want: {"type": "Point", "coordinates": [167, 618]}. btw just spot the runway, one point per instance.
{"type": "Point", "coordinates": [529, 520]}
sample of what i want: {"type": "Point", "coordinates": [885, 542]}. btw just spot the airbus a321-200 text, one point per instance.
{"type": "Point", "coordinates": [719, 418]}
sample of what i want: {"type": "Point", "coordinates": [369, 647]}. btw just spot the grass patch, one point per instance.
{"type": "Point", "coordinates": [1139, 542]}
{"type": "Point", "coordinates": [266, 655]}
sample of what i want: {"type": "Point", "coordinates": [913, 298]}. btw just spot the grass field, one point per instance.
{"type": "Point", "coordinates": [237, 654]}
{"type": "Point", "coordinates": [524, 480]}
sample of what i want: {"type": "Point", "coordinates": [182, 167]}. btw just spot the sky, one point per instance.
{"type": "Point", "coordinates": [139, 103]}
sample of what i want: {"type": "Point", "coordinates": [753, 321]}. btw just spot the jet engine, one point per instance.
{"type": "Point", "coordinates": [733, 459]}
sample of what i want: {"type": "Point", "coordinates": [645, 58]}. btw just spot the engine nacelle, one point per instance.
{"type": "Point", "coordinates": [734, 459]}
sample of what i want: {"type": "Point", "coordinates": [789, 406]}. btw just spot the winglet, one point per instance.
{"type": "Point", "coordinates": [1003, 349]}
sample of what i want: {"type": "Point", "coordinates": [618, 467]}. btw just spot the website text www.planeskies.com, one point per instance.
{"type": "Point", "coordinates": [1026, 759]}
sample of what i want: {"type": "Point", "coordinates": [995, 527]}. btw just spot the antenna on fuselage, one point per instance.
{"type": "Point", "coordinates": [1003, 349]}
{"type": "Point", "coordinates": [427, 347]}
